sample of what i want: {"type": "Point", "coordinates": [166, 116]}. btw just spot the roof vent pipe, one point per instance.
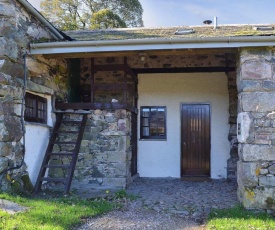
{"type": "Point", "coordinates": [215, 22]}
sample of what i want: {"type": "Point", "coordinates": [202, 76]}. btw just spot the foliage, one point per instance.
{"type": "Point", "coordinates": [122, 194]}
{"type": "Point", "coordinates": [79, 14]}
{"type": "Point", "coordinates": [52, 214]}
{"type": "Point", "coordinates": [105, 19]}
{"type": "Point", "coordinates": [240, 218]}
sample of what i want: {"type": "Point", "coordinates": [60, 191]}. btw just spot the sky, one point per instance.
{"type": "Point", "coordinates": [164, 13]}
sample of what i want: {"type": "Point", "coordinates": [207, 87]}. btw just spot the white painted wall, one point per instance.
{"type": "Point", "coordinates": [37, 138]}
{"type": "Point", "coordinates": [162, 158]}
{"type": "Point", "coordinates": [36, 143]}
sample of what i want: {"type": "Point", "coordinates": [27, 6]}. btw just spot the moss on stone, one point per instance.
{"type": "Point", "coordinates": [17, 187]}
{"type": "Point", "coordinates": [270, 202]}
{"type": "Point", "coordinates": [249, 194]}
{"type": "Point", "coordinates": [257, 171]}
{"type": "Point", "coordinates": [27, 185]}
{"type": "Point", "coordinates": [21, 185]}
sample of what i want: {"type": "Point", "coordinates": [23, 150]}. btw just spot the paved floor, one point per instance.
{"type": "Point", "coordinates": [184, 197]}
{"type": "Point", "coordinates": [168, 204]}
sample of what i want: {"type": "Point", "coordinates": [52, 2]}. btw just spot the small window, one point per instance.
{"type": "Point", "coordinates": [35, 108]}
{"type": "Point", "coordinates": [153, 122]}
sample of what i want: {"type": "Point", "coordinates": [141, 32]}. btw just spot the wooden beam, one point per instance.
{"type": "Point", "coordinates": [114, 67]}
{"type": "Point", "coordinates": [96, 105]}
{"type": "Point", "coordinates": [147, 52]}
{"type": "Point", "coordinates": [185, 70]}
{"type": "Point", "coordinates": [114, 86]}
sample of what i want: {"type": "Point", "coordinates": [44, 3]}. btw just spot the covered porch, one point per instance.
{"type": "Point", "coordinates": [110, 88]}
{"type": "Point", "coordinates": [143, 90]}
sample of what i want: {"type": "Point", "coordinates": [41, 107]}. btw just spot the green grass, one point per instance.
{"type": "Point", "coordinates": [51, 213]}
{"type": "Point", "coordinates": [239, 218]}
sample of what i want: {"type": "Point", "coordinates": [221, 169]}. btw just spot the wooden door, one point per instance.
{"type": "Point", "coordinates": [195, 140]}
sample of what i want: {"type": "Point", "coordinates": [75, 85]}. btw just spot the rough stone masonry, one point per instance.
{"type": "Point", "coordinates": [256, 128]}
{"type": "Point", "coordinates": [17, 29]}
{"type": "Point", "coordinates": [104, 158]}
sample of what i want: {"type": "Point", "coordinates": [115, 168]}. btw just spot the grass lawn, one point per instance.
{"type": "Point", "coordinates": [51, 213]}
{"type": "Point", "coordinates": [239, 218]}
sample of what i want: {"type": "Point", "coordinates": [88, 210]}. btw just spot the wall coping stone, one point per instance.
{"type": "Point", "coordinates": [39, 88]}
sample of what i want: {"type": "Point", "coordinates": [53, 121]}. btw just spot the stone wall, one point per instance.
{"type": "Point", "coordinates": [17, 29]}
{"type": "Point", "coordinates": [256, 128]}
{"type": "Point", "coordinates": [105, 154]}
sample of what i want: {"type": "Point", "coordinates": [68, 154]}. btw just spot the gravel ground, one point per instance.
{"type": "Point", "coordinates": [167, 204]}
{"type": "Point", "coordinates": [140, 218]}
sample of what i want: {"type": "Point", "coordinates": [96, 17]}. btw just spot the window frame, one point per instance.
{"type": "Point", "coordinates": [35, 108]}
{"type": "Point", "coordinates": [152, 137]}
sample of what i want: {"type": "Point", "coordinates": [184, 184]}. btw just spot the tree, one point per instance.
{"type": "Point", "coordinates": [105, 19]}
{"type": "Point", "coordinates": [84, 14]}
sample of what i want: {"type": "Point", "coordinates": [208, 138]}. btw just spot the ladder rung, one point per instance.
{"type": "Point", "coordinates": [52, 179]}
{"type": "Point", "coordinates": [64, 143]}
{"type": "Point", "coordinates": [67, 132]}
{"type": "Point", "coordinates": [57, 166]}
{"type": "Point", "coordinates": [71, 153]}
{"type": "Point", "coordinates": [71, 122]}
{"type": "Point", "coordinates": [60, 154]}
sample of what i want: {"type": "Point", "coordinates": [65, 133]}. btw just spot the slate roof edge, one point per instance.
{"type": "Point", "coordinates": [58, 34]}
{"type": "Point", "coordinates": [171, 27]}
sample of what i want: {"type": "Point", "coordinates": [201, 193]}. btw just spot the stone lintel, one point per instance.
{"type": "Point", "coordinates": [31, 86]}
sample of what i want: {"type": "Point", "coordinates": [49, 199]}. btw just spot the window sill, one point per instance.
{"type": "Point", "coordinates": [37, 124]}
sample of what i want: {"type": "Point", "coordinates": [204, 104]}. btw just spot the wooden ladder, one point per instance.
{"type": "Point", "coordinates": [71, 155]}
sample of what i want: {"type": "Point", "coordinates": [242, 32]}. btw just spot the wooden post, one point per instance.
{"type": "Point", "coordinates": [125, 80]}
{"type": "Point", "coordinates": [92, 79]}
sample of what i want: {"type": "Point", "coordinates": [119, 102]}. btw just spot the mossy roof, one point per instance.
{"type": "Point", "coordinates": [169, 32]}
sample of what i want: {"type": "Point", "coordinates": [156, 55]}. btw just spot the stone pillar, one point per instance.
{"type": "Point", "coordinates": [256, 128]}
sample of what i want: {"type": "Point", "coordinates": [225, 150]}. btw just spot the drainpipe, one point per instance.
{"type": "Point", "coordinates": [150, 44]}
{"type": "Point", "coordinates": [151, 41]}
{"type": "Point", "coordinates": [22, 123]}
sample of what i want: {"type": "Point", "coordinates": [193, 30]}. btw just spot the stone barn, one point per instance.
{"type": "Point", "coordinates": [98, 108]}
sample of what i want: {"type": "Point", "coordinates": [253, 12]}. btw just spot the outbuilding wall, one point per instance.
{"type": "Point", "coordinates": [162, 158]}
{"type": "Point", "coordinates": [256, 128]}
{"type": "Point", "coordinates": [18, 28]}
